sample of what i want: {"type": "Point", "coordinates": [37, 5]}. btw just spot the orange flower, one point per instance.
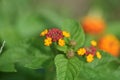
{"type": "Point", "coordinates": [93, 25]}
{"type": "Point", "coordinates": [110, 44]}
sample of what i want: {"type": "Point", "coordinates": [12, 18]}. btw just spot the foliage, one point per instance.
{"type": "Point", "coordinates": [25, 57]}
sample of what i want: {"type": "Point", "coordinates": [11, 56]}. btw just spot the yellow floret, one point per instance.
{"type": "Point", "coordinates": [81, 51]}
{"type": "Point", "coordinates": [47, 41]}
{"type": "Point", "coordinates": [61, 42]}
{"type": "Point", "coordinates": [99, 56]}
{"type": "Point", "coordinates": [93, 43]}
{"type": "Point", "coordinates": [66, 34]}
{"type": "Point", "coordinates": [44, 32]}
{"type": "Point", "coordinates": [90, 58]}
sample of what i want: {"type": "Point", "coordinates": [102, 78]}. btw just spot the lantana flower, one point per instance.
{"type": "Point", "coordinates": [110, 44]}
{"type": "Point", "coordinates": [93, 25]}
{"type": "Point", "coordinates": [54, 35]}
{"type": "Point", "coordinates": [90, 58]}
{"type": "Point", "coordinates": [90, 52]}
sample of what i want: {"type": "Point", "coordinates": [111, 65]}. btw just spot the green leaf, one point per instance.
{"type": "Point", "coordinates": [10, 35]}
{"type": "Point", "coordinates": [24, 54]}
{"type": "Point", "coordinates": [27, 72]}
{"type": "Point", "coordinates": [62, 48]}
{"type": "Point", "coordinates": [76, 32]}
{"type": "Point", "coordinates": [22, 73]}
{"type": "Point", "coordinates": [88, 39]}
{"type": "Point", "coordinates": [49, 67]}
{"type": "Point", "coordinates": [105, 60]}
{"type": "Point", "coordinates": [113, 28]}
{"type": "Point", "coordinates": [28, 25]}
{"type": "Point", "coordinates": [67, 69]}
{"type": "Point", "coordinates": [100, 69]}
{"type": "Point", "coordinates": [51, 17]}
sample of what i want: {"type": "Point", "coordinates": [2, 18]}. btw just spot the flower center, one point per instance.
{"type": "Point", "coordinates": [91, 50]}
{"type": "Point", "coordinates": [55, 34]}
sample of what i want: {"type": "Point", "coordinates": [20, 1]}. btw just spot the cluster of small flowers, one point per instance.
{"type": "Point", "coordinates": [57, 35]}
{"type": "Point", "coordinates": [90, 52]}
{"type": "Point", "coordinates": [54, 35]}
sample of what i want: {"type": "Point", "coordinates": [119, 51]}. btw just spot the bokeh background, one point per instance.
{"type": "Point", "coordinates": [23, 19]}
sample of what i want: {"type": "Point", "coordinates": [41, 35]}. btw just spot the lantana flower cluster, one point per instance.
{"type": "Point", "coordinates": [90, 52]}
{"type": "Point", "coordinates": [58, 36]}
{"type": "Point", "coordinates": [54, 35]}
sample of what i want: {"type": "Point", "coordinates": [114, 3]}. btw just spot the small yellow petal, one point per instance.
{"type": "Point", "coordinates": [47, 41]}
{"type": "Point", "coordinates": [99, 56]}
{"type": "Point", "coordinates": [93, 43]}
{"type": "Point", "coordinates": [90, 58]}
{"type": "Point", "coordinates": [47, 44]}
{"type": "Point", "coordinates": [81, 51]}
{"type": "Point", "coordinates": [44, 32]}
{"type": "Point", "coordinates": [66, 34]}
{"type": "Point", "coordinates": [61, 42]}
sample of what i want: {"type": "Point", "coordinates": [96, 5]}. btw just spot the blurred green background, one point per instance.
{"type": "Point", "coordinates": [22, 20]}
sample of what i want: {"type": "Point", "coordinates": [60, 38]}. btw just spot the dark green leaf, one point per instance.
{"type": "Point", "coordinates": [100, 69]}
{"type": "Point", "coordinates": [23, 54]}
{"type": "Point", "coordinates": [67, 69]}
{"type": "Point", "coordinates": [76, 32]}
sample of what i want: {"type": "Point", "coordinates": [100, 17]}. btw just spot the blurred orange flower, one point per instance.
{"type": "Point", "coordinates": [110, 44]}
{"type": "Point", "coordinates": [93, 25]}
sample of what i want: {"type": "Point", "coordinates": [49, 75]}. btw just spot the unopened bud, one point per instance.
{"type": "Point", "coordinates": [72, 43]}
{"type": "Point", "coordinates": [70, 53]}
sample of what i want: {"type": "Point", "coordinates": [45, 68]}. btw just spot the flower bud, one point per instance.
{"type": "Point", "coordinates": [73, 43]}
{"type": "Point", "coordinates": [70, 53]}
